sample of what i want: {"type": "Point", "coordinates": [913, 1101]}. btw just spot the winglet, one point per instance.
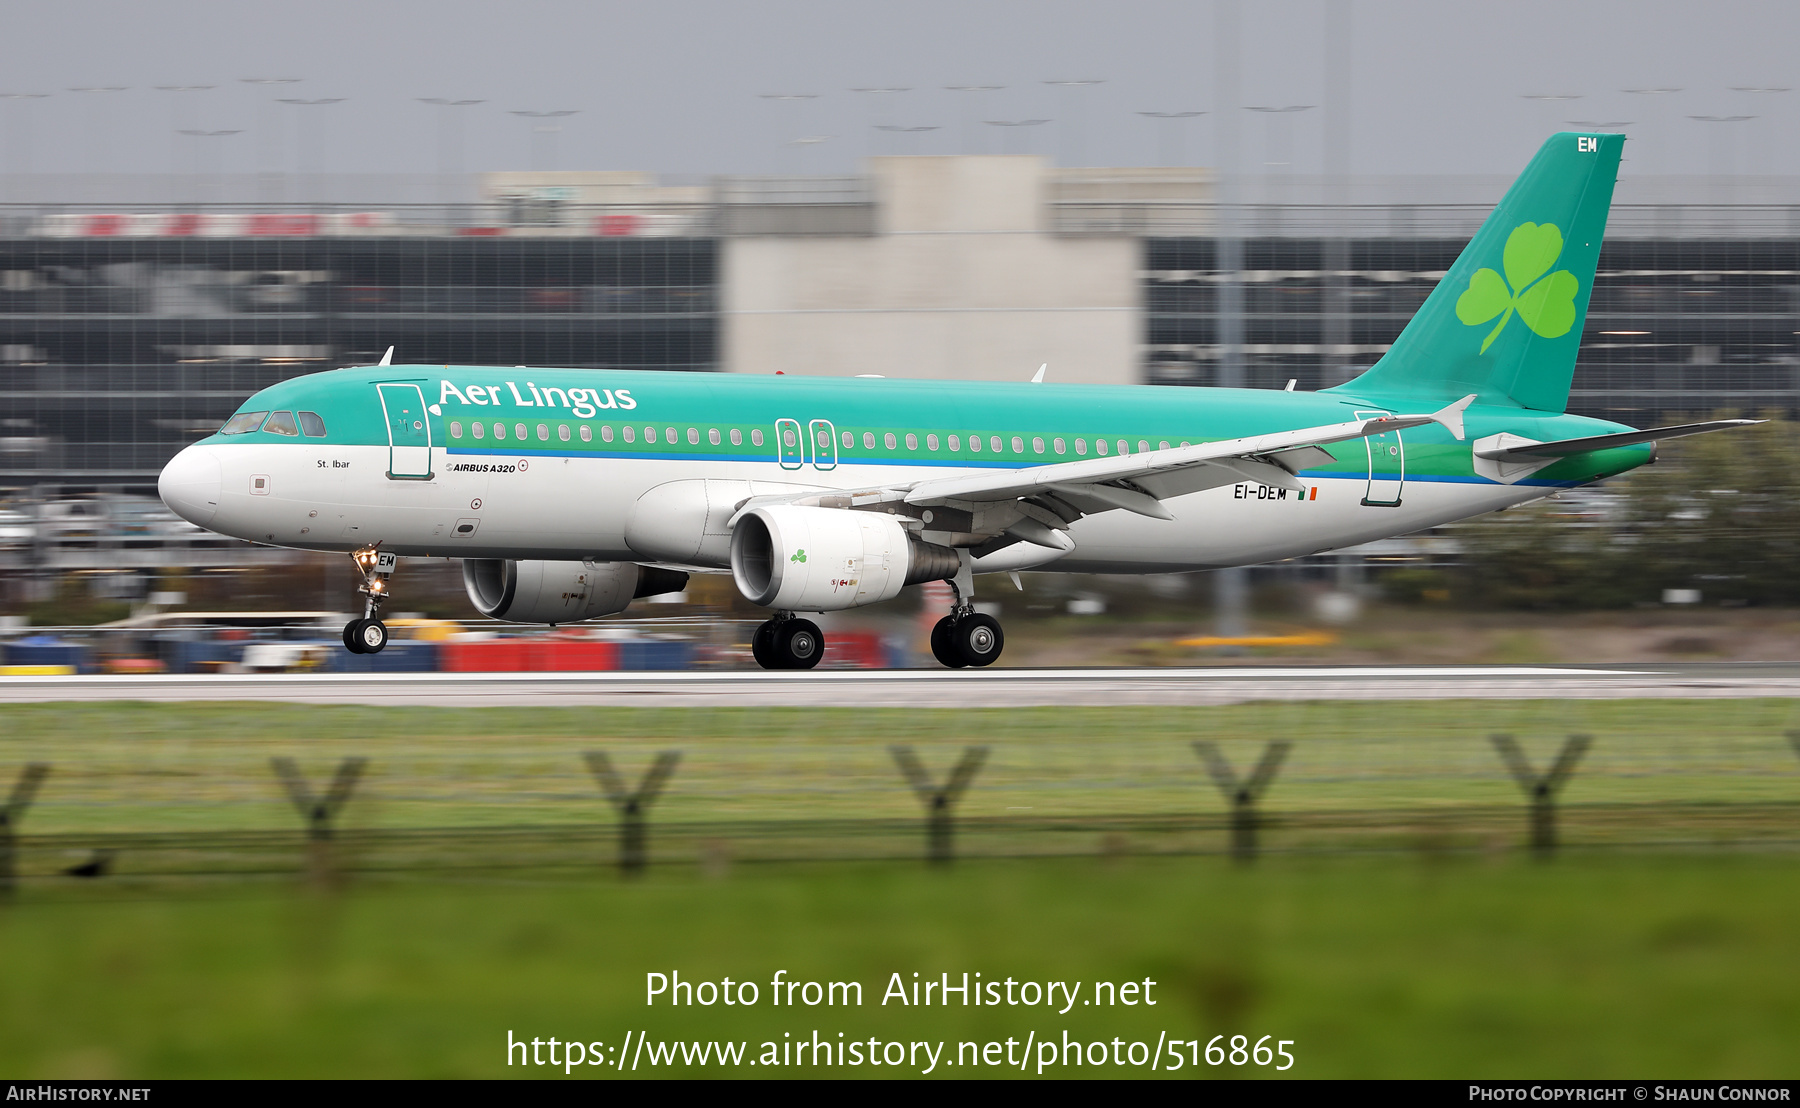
{"type": "Point", "coordinates": [1451, 417]}
{"type": "Point", "coordinates": [1038, 377]}
{"type": "Point", "coordinates": [388, 358]}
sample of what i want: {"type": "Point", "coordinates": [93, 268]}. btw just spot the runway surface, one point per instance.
{"type": "Point", "coordinates": [936, 688]}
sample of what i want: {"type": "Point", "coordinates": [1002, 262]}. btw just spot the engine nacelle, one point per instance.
{"type": "Point", "coordinates": [561, 592]}
{"type": "Point", "coordinates": [825, 559]}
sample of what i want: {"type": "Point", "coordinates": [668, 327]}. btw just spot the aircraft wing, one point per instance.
{"type": "Point", "coordinates": [1139, 482]}
{"type": "Point", "coordinates": [1513, 448]}
{"type": "Point", "coordinates": [1037, 504]}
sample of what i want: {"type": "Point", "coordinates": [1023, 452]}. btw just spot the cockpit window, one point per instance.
{"type": "Point", "coordinates": [281, 423]}
{"type": "Point", "coordinates": [242, 423]}
{"type": "Point", "coordinates": [311, 425]}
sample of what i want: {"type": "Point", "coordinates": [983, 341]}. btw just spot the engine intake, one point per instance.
{"type": "Point", "coordinates": [826, 559]}
{"type": "Point", "coordinates": [561, 592]}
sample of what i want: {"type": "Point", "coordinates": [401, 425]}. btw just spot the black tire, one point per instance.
{"type": "Point", "coordinates": [979, 640]}
{"type": "Point", "coordinates": [372, 636]}
{"type": "Point", "coordinates": [762, 645]}
{"type": "Point", "coordinates": [799, 644]}
{"type": "Point", "coordinates": [943, 644]}
{"type": "Point", "coordinates": [353, 636]}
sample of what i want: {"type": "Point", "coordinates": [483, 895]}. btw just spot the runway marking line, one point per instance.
{"type": "Point", "coordinates": [695, 677]}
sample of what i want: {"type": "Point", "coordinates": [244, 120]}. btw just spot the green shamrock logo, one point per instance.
{"type": "Point", "coordinates": [799, 555]}
{"type": "Point", "coordinates": [1546, 304]}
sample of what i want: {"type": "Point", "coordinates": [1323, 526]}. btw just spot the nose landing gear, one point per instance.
{"type": "Point", "coordinates": [788, 642]}
{"type": "Point", "coordinates": [368, 635]}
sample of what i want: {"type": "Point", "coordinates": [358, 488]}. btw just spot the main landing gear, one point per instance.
{"type": "Point", "coordinates": [368, 634]}
{"type": "Point", "coordinates": [788, 642]}
{"type": "Point", "coordinates": [965, 637]}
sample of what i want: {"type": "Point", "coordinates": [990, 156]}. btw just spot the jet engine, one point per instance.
{"type": "Point", "coordinates": [561, 592]}
{"type": "Point", "coordinates": [824, 559]}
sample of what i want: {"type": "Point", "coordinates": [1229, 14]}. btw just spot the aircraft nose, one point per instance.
{"type": "Point", "coordinates": [190, 484]}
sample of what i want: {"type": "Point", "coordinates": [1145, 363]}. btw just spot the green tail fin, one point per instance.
{"type": "Point", "coordinates": [1505, 323]}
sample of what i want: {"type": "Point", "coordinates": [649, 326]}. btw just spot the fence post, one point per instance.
{"type": "Point", "coordinates": [1243, 795]}
{"type": "Point", "coordinates": [319, 812]}
{"type": "Point", "coordinates": [1542, 790]}
{"type": "Point", "coordinates": [938, 801]}
{"type": "Point", "coordinates": [634, 847]}
{"type": "Point", "coordinates": [10, 816]}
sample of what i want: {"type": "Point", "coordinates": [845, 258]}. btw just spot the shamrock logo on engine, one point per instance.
{"type": "Point", "coordinates": [798, 555]}
{"type": "Point", "coordinates": [1544, 300]}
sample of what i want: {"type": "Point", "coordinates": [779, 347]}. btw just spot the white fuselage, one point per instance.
{"type": "Point", "coordinates": [323, 497]}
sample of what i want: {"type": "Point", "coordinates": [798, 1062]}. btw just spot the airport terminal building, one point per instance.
{"type": "Point", "coordinates": [128, 330]}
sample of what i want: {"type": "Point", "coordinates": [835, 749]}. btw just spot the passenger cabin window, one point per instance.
{"type": "Point", "coordinates": [1018, 445]}
{"type": "Point", "coordinates": [520, 433]}
{"type": "Point", "coordinates": [693, 436]}
{"type": "Point", "coordinates": [975, 443]}
{"type": "Point", "coordinates": [606, 432]}
{"type": "Point", "coordinates": [955, 443]}
{"type": "Point", "coordinates": [849, 440]}
{"type": "Point", "coordinates": [543, 433]}
{"type": "Point", "coordinates": [499, 430]}
{"type": "Point", "coordinates": [1061, 448]}
{"type": "Point", "coordinates": [712, 435]}
{"type": "Point", "coordinates": [931, 442]}
{"type": "Point", "coordinates": [889, 441]}
{"type": "Point", "coordinates": [243, 423]}
{"type": "Point", "coordinates": [1037, 445]}
{"type": "Point", "coordinates": [455, 429]}
{"type": "Point", "coordinates": [629, 433]}
{"type": "Point", "coordinates": [282, 423]}
{"type": "Point", "coordinates": [912, 442]}
{"type": "Point", "coordinates": [1100, 446]}
{"type": "Point", "coordinates": [587, 433]}
{"type": "Point", "coordinates": [1081, 446]}
{"type": "Point", "coordinates": [562, 431]}
{"type": "Point", "coordinates": [868, 440]}
{"type": "Point", "coordinates": [995, 444]}
{"type": "Point", "coordinates": [480, 429]}
{"type": "Point", "coordinates": [737, 437]}
{"type": "Point", "coordinates": [311, 425]}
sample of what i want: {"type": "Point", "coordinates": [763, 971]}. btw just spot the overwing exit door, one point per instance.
{"type": "Point", "coordinates": [824, 443]}
{"type": "Point", "coordinates": [409, 432]}
{"type": "Point", "coordinates": [790, 451]}
{"type": "Point", "coordinates": [1387, 466]}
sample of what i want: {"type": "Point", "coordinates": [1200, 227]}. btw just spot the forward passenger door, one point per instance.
{"type": "Point", "coordinates": [409, 432]}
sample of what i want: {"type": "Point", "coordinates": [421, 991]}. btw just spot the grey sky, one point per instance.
{"type": "Point", "coordinates": [673, 86]}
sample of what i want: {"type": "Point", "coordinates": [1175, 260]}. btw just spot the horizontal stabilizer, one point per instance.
{"type": "Point", "coordinates": [1512, 448]}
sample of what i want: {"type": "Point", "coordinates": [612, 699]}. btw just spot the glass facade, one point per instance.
{"type": "Point", "coordinates": [117, 351]}
{"type": "Point", "coordinates": [1676, 327]}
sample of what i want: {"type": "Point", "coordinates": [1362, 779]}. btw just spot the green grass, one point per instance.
{"type": "Point", "coordinates": [180, 767]}
{"type": "Point", "coordinates": [1442, 952]}
{"type": "Point", "coordinates": [1671, 966]}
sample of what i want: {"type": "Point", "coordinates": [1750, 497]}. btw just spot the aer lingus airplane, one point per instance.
{"type": "Point", "coordinates": [568, 493]}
